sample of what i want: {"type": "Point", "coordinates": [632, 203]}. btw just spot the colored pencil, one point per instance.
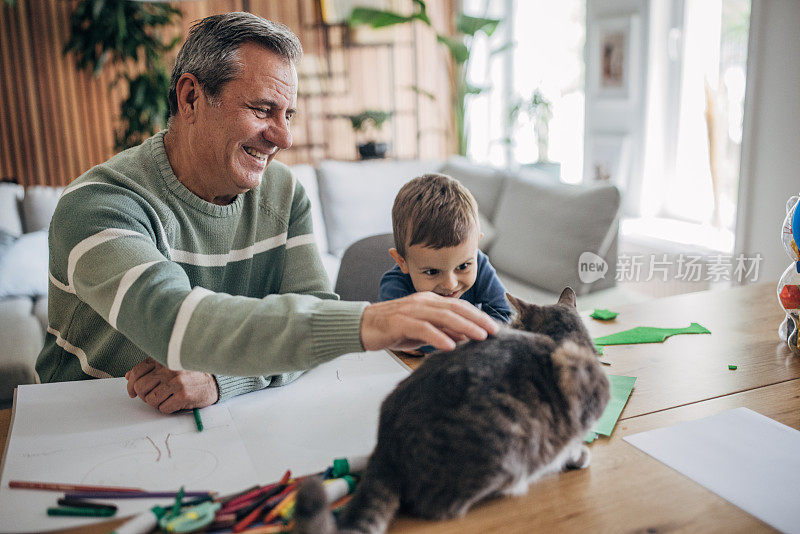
{"type": "Point", "coordinates": [271, 529]}
{"type": "Point", "coordinates": [57, 486]}
{"type": "Point", "coordinates": [228, 498]}
{"type": "Point", "coordinates": [248, 497]}
{"type": "Point", "coordinates": [86, 512]}
{"type": "Point", "coordinates": [140, 495]}
{"type": "Point", "coordinates": [77, 503]}
{"type": "Point", "coordinates": [197, 420]}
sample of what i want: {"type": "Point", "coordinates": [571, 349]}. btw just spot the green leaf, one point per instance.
{"type": "Point", "coordinates": [422, 92]}
{"type": "Point", "coordinates": [472, 25]}
{"type": "Point", "coordinates": [457, 48]}
{"type": "Point", "coordinates": [509, 45]}
{"type": "Point", "coordinates": [470, 89]}
{"type": "Point", "coordinates": [376, 18]}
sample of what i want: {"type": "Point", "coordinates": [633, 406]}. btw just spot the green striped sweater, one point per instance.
{"type": "Point", "coordinates": [140, 266]}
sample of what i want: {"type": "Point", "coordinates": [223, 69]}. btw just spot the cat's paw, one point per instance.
{"type": "Point", "coordinates": [579, 459]}
{"type": "Point", "coordinates": [519, 488]}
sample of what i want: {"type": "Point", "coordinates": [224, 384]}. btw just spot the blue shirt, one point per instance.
{"type": "Point", "coordinates": [487, 293]}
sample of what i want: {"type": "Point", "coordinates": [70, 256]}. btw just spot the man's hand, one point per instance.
{"type": "Point", "coordinates": [423, 319]}
{"type": "Point", "coordinates": [169, 391]}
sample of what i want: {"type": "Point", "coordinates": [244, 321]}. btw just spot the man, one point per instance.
{"type": "Point", "coordinates": [187, 263]}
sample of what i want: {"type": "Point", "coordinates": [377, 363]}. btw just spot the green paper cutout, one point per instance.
{"type": "Point", "coordinates": [590, 437]}
{"type": "Point", "coordinates": [647, 334]}
{"type": "Point", "coordinates": [621, 387]}
{"type": "Point", "coordinates": [604, 315]}
{"type": "Point", "coordinates": [599, 349]}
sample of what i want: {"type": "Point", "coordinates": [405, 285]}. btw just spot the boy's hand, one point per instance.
{"type": "Point", "coordinates": [423, 319]}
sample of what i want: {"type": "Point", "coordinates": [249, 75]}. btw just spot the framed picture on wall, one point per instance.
{"type": "Point", "coordinates": [608, 159]}
{"type": "Point", "coordinates": [615, 67]}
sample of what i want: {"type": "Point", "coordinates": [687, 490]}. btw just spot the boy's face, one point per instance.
{"type": "Point", "coordinates": [449, 271]}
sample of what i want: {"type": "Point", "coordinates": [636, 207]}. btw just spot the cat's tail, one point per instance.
{"type": "Point", "coordinates": [311, 514]}
{"type": "Point", "coordinates": [373, 506]}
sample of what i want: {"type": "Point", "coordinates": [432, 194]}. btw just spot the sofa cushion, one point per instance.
{"type": "Point", "coordinates": [6, 242]}
{"type": "Point", "coordinates": [307, 176]}
{"type": "Point", "coordinates": [23, 269]}
{"type": "Point", "coordinates": [484, 182]}
{"type": "Point", "coordinates": [542, 229]}
{"type": "Point", "coordinates": [357, 197]}
{"type": "Point", "coordinates": [38, 206]}
{"type": "Point", "coordinates": [10, 199]}
{"type": "Point", "coordinates": [21, 337]}
{"type": "Point", "coordinates": [40, 311]}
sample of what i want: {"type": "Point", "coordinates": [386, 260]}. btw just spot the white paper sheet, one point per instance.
{"type": "Point", "coordinates": [742, 456]}
{"type": "Point", "coordinates": [90, 432]}
{"type": "Point", "coordinates": [330, 412]}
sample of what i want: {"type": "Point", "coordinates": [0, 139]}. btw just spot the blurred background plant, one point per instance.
{"type": "Point", "coordinates": [458, 45]}
{"type": "Point", "coordinates": [127, 34]}
{"type": "Point", "coordinates": [538, 111]}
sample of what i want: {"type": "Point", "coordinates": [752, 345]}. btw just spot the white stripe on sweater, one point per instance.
{"type": "Point", "coordinates": [75, 187]}
{"type": "Point", "coordinates": [88, 244]}
{"type": "Point", "coordinates": [185, 312]}
{"type": "Point", "coordinates": [58, 284]}
{"type": "Point", "coordinates": [128, 279]}
{"type": "Point", "coordinates": [78, 352]}
{"type": "Point", "coordinates": [220, 260]}
{"type": "Point", "coordinates": [296, 241]}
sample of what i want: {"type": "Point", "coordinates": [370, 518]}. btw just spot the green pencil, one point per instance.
{"type": "Point", "coordinates": [79, 511]}
{"type": "Point", "coordinates": [197, 420]}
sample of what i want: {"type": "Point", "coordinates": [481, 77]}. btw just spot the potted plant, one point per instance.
{"type": "Point", "coordinates": [538, 110]}
{"type": "Point", "coordinates": [367, 125]}
{"type": "Point", "coordinates": [128, 35]}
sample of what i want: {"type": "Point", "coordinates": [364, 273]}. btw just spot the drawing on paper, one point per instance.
{"type": "Point", "coordinates": [153, 459]}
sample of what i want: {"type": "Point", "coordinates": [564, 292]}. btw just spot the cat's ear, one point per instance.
{"type": "Point", "coordinates": [567, 298]}
{"type": "Point", "coordinates": [518, 304]}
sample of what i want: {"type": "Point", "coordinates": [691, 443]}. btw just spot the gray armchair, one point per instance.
{"type": "Point", "coordinates": [363, 264]}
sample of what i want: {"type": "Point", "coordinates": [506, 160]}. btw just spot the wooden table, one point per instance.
{"type": "Point", "coordinates": [684, 378]}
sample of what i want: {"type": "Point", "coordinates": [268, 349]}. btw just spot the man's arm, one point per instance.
{"type": "Point", "coordinates": [303, 273]}
{"type": "Point", "coordinates": [107, 257]}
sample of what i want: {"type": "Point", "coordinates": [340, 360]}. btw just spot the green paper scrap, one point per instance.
{"type": "Point", "coordinates": [732, 367]}
{"type": "Point", "coordinates": [621, 387]}
{"type": "Point", "coordinates": [647, 334]}
{"type": "Point", "coordinates": [599, 349]}
{"type": "Point", "coordinates": [603, 315]}
{"type": "Point", "coordinates": [590, 437]}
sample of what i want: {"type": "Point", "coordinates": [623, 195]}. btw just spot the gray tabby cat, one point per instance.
{"type": "Point", "coordinates": [486, 419]}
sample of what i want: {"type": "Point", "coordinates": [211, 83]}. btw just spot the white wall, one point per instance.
{"type": "Point", "coordinates": [770, 168]}
{"type": "Point", "coordinates": [609, 116]}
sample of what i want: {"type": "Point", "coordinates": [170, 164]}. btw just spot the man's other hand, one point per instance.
{"type": "Point", "coordinates": [169, 391]}
{"type": "Point", "coordinates": [423, 319]}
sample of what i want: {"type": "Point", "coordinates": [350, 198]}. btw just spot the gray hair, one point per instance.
{"type": "Point", "coordinates": [211, 50]}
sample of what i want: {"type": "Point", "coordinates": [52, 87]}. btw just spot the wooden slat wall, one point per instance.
{"type": "Point", "coordinates": [56, 122]}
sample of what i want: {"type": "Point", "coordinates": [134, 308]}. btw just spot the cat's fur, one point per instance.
{"type": "Point", "coordinates": [483, 420]}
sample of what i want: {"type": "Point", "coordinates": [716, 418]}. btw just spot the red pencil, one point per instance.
{"type": "Point", "coordinates": [55, 486]}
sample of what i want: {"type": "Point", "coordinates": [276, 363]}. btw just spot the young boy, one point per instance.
{"type": "Point", "coordinates": [436, 233]}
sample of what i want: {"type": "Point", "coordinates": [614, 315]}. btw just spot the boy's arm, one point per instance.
{"type": "Point", "coordinates": [490, 292]}
{"type": "Point", "coordinates": [394, 285]}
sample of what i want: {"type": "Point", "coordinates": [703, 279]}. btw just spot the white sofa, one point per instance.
{"type": "Point", "coordinates": [535, 230]}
